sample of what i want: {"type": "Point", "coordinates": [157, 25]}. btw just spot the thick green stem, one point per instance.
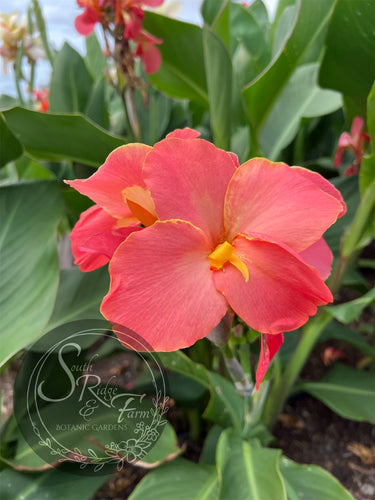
{"type": "Point", "coordinates": [310, 335]}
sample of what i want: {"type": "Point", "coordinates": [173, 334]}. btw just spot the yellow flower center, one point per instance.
{"type": "Point", "coordinates": [224, 253]}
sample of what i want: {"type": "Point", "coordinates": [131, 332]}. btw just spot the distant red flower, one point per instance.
{"type": "Point", "coordinates": [41, 100]}
{"type": "Point", "coordinates": [352, 142]}
{"type": "Point", "coordinates": [149, 54]}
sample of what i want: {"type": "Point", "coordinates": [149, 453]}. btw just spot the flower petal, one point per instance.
{"type": "Point", "coordinates": [95, 237]}
{"type": "Point", "coordinates": [188, 179]}
{"type": "Point", "coordinates": [122, 169]}
{"type": "Point", "coordinates": [319, 255]}
{"type": "Point", "coordinates": [276, 200]}
{"type": "Point", "coordinates": [184, 133]}
{"type": "Point", "coordinates": [324, 185]}
{"type": "Point", "coordinates": [85, 23]}
{"type": "Point", "coordinates": [269, 346]}
{"type": "Point", "coordinates": [162, 288]}
{"type": "Point", "coordinates": [282, 291]}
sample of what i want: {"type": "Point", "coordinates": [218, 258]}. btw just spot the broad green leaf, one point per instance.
{"type": "Point", "coordinates": [30, 213]}
{"type": "Point", "coordinates": [61, 137]}
{"type": "Point", "coordinates": [51, 484]}
{"type": "Point", "coordinates": [247, 471]}
{"type": "Point", "coordinates": [95, 60]}
{"type": "Point", "coordinates": [301, 97]}
{"type": "Point", "coordinates": [10, 147]}
{"type": "Point", "coordinates": [7, 101]}
{"type": "Point", "coordinates": [367, 172]}
{"type": "Point", "coordinates": [338, 331]}
{"type": "Point", "coordinates": [154, 117]}
{"type": "Point", "coordinates": [178, 480]}
{"type": "Point", "coordinates": [211, 9]}
{"type": "Point", "coordinates": [71, 82]}
{"type": "Point", "coordinates": [219, 83]}
{"type": "Point", "coordinates": [97, 109]}
{"type": "Point", "coordinates": [350, 311]}
{"type": "Point", "coordinates": [350, 50]}
{"type": "Point", "coordinates": [260, 13]}
{"type": "Point", "coordinates": [79, 296]}
{"type": "Point", "coordinates": [165, 448]}
{"type": "Point", "coordinates": [262, 94]}
{"type": "Point", "coordinates": [31, 170]}
{"type": "Point", "coordinates": [348, 392]}
{"type": "Point", "coordinates": [311, 482]}
{"type": "Point", "coordinates": [182, 73]}
{"type": "Point", "coordinates": [249, 35]}
{"type": "Point", "coordinates": [226, 406]}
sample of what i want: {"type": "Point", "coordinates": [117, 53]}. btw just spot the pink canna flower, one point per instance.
{"type": "Point", "coordinates": [149, 54]}
{"type": "Point", "coordinates": [352, 142]}
{"type": "Point", "coordinates": [85, 23]}
{"type": "Point", "coordinates": [216, 236]}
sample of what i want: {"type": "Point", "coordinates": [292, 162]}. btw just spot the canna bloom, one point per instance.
{"type": "Point", "coordinates": [352, 142]}
{"type": "Point", "coordinates": [41, 98]}
{"type": "Point", "coordinates": [85, 22]}
{"type": "Point", "coordinates": [220, 236]}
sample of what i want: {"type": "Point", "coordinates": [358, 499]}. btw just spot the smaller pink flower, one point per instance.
{"type": "Point", "coordinates": [352, 142]}
{"type": "Point", "coordinates": [149, 54]}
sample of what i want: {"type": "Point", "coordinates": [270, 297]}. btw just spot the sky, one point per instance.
{"type": "Point", "coordinates": [59, 16]}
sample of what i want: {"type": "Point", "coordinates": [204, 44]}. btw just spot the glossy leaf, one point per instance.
{"type": "Point", "coordinates": [61, 137]}
{"type": "Point", "coordinates": [263, 93]}
{"type": "Point", "coordinates": [219, 83]}
{"type": "Point", "coordinates": [30, 213]}
{"type": "Point", "coordinates": [50, 484]}
{"type": "Point", "coordinates": [300, 98]}
{"type": "Point", "coordinates": [348, 392]}
{"type": "Point", "coordinates": [71, 82]}
{"type": "Point", "coordinates": [178, 480]}
{"type": "Point", "coordinates": [10, 147]}
{"type": "Point", "coordinates": [350, 50]}
{"type": "Point", "coordinates": [182, 73]}
{"type": "Point", "coordinates": [247, 471]}
{"type": "Point", "coordinates": [311, 482]}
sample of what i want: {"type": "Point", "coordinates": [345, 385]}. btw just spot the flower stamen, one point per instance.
{"type": "Point", "coordinates": [224, 253]}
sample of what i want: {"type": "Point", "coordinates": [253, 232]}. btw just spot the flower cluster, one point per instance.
{"type": "Point", "coordinates": [124, 18]}
{"type": "Point", "coordinates": [190, 233]}
{"type": "Point", "coordinates": [14, 35]}
{"type": "Point", "coordinates": [353, 142]}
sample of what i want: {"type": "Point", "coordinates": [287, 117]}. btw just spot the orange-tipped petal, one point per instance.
{"type": "Point", "coordinates": [282, 291]}
{"type": "Point", "coordinates": [162, 288]}
{"type": "Point", "coordinates": [122, 169]}
{"type": "Point", "coordinates": [188, 180]}
{"type": "Point", "coordinates": [95, 237]}
{"type": "Point", "coordinates": [278, 201]}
